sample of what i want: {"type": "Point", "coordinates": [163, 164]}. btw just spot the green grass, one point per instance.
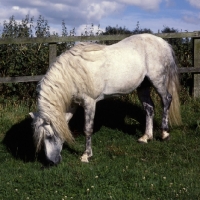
{"type": "Point", "coordinates": [121, 168]}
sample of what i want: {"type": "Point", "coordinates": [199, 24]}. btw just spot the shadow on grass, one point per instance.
{"type": "Point", "coordinates": [110, 113]}
{"type": "Point", "coordinates": [19, 141]}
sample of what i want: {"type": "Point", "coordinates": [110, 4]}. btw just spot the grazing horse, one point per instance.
{"type": "Point", "coordinates": [88, 73]}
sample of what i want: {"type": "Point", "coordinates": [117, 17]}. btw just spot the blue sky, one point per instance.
{"type": "Point", "coordinates": [153, 14]}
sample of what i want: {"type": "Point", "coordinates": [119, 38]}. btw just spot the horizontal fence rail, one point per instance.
{"type": "Point", "coordinates": [55, 39]}
{"type": "Point", "coordinates": [22, 79]}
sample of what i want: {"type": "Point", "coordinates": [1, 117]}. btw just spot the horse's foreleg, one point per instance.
{"type": "Point", "coordinates": [144, 96]}
{"type": "Point", "coordinates": [89, 108]}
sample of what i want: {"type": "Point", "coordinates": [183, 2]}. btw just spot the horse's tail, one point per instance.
{"type": "Point", "coordinates": [173, 88]}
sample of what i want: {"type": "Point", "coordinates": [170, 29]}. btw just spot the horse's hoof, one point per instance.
{"type": "Point", "coordinates": [165, 136]}
{"type": "Point", "coordinates": [142, 141]}
{"type": "Point", "coordinates": [84, 158]}
{"type": "Point", "coordinates": [166, 139]}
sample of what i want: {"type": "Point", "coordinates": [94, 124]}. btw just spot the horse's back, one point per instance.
{"type": "Point", "coordinates": [155, 51]}
{"type": "Point", "coordinates": [145, 37]}
{"type": "Point", "coordinates": [121, 67]}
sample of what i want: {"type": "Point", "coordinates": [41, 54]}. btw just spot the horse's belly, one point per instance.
{"type": "Point", "coordinates": [123, 83]}
{"type": "Point", "coordinates": [120, 73]}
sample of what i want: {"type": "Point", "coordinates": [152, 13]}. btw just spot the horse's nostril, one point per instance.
{"type": "Point", "coordinates": [51, 163]}
{"type": "Point", "coordinates": [57, 160]}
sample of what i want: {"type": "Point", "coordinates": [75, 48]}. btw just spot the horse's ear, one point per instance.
{"type": "Point", "coordinates": [33, 115]}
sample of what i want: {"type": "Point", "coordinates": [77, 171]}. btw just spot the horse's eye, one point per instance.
{"type": "Point", "coordinates": [49, 137]}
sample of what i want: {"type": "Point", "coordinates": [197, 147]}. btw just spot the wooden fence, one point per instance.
{"type": "Point", "coordinates": [52, 41]}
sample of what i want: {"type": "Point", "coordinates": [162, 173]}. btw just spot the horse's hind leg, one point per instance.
{"type": "Point", "coordinates": [166, 99]}
{"type": "Point", "coordinates": [144, 96]}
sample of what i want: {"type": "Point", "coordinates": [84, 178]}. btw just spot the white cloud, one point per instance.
{"type": "Point", "coordinates": [195, 3]}
{"type": "Point", "coordinates": [25, 11]}
{"type": "Point", "coordinates": [103, 12]}
{"type": "Point", "coordinates": [169, 3]}
{"type": "Point", "coordinates": [15, 7]}
{"type": "Point", "coordinates": [73, 12]}
{"type": "Point", "coordinates": [99, 10]}
{"type": "Point", "coordinates": [153, 23]}
{"type": "Point", "coordinates": [145, 4]}
{"type": "Point", "coordinates": [192, 18]}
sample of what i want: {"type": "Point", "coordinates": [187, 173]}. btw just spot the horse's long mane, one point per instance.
{"type": "Point", "coordinates": [67, 77]}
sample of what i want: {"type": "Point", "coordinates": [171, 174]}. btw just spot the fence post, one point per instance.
{"type": "Point", "coordinates": [52, 52]}
{"type": "Point", "coordinates": [196, 63]}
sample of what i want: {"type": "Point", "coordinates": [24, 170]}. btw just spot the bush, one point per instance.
{"type": "Point", "coordinates": [25, 59]}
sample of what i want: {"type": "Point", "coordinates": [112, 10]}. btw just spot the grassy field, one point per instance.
{"type": "Point", "coordinates": [121, 168]}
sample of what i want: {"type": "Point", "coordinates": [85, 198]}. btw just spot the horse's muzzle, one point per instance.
{"type": "Point", "coordinates": [56, 160]}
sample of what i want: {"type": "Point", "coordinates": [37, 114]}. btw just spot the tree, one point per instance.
{"type": "Point", "coordinates": [119, 30]}
{"type": "Point", "coordinates": [139, 30]}
{"type": "Point", "coordinates": [22, 59]}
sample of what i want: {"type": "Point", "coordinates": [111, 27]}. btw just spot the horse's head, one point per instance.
{"type": "Point", "coordinates": [46, 139]}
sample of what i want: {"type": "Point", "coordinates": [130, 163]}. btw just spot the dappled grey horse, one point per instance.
{"type": "Point", "coordinates": [88, 73]}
